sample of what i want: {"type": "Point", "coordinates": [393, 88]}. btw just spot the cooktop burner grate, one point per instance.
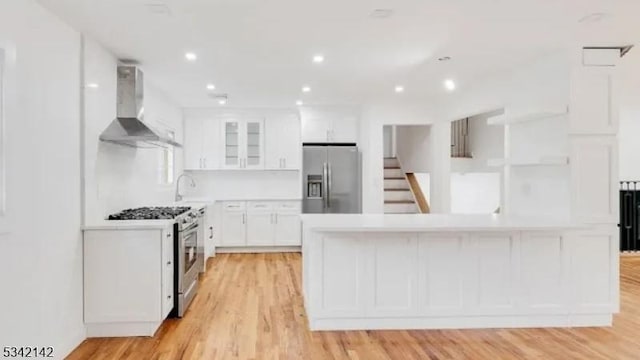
{"type": "Point", "coordinates": [150, 213]}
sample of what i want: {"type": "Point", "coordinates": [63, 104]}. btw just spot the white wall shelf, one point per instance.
{"type": "Point", "coordinates": [559, 160]}
{"type": "Point", "coordinates": [534, 116]}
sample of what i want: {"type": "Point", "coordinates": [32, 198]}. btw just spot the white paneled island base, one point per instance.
{"type": "Point", "coordinates": [456, 271]}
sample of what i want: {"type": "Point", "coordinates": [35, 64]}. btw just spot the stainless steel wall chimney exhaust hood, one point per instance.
{"type": "Point", "coordinates": [129, 128]}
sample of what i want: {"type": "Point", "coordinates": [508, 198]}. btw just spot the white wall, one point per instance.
{"type": "Point", "coordinates": [241, 184]}
{"type": "Point", "coordinates": [628, 80]}
{"type": "Point", "coordinates": [374, 117]}
{"type": "Point", "coordinates": [486, 142]}
{"type": "Point", "coordinates": [119, 177]}
{"type": "Point", "coordinates": [475, 193]}
{"type": "Point", "coordinates": [40, 244]}
{"type": "Point", "coordinates": [537, 86]}
{"type": "Point", "coordinates": [414, 148]}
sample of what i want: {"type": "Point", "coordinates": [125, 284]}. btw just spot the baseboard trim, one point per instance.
{"type": "Point", "coordinates": [121, 329]}
{"type": "Point", "coordinates": [462, 322]}
{"type": "Point", "coordinates": [71, 344]}
{"type": "Point", "coordinates": [257, 249]}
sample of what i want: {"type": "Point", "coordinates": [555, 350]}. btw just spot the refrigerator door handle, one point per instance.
{"type": "Point", "coordinates": [329, 185]}
{"type": "Point", "coordinates": [325, 185]}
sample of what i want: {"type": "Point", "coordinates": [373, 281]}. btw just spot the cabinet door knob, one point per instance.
{"type": "Point", "coordinates": [168, 262]}
{"type": "Point", "coordinates": [169, 235]}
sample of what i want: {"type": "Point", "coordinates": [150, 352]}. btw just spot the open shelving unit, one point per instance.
{"type": "Point", "coordinates": [559, 160]}
{"type": "Point", "coordinates": [507, 119]}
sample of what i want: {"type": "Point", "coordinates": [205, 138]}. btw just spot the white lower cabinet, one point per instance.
{"type": "Point", "coordinates": [261, 224]}
{"type": "Point", "coordinates": [128, 280]}
{"type": "Point", "coordinates": [234, 224]}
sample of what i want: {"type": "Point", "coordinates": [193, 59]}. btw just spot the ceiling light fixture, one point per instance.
{"type": "Point", "coordinates": [318, 59]}
{"type": "Point", "coordinates": [381, 13]}
{"type": "Point", "coordinates": [191, 56]}
{"type": "Point", "coordinates": [211, 87]}
{"type": "Point", "coordinates": [450, 85]}
{"type": "Point", "coordinates": [306, 89]}
{"type": "Point", "coordinates": [593, 18]}
{"type": "Point", "coordinates": [399, 89]}
{"type": "Point", "coordinates": [92, 86]}
{"type": "Point", "coordinates": [222, 101]}
{"type": "Point", "coordinates": [444, 58]}
{"type": "Point", "coordinates": [299, 103]}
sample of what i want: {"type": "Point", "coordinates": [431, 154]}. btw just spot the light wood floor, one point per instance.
{"type": "Point", "coordinates": [250, 307]}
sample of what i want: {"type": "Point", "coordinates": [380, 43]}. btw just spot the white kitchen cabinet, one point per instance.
{"type": "Point", "coordinates": [136, 265]}
{"type": "Point", "coordinates": [193, 144]}
{"type": "Point", "coordinates": [287, 228]}
{"type": "Point", "coordinates": [262, 223]}
{"type": "Point", "coordinates": [282, 143]}
{"type": "Point", "coordinates": [210, 232]}
{"type": "Point", "coordinates": [234, 220]}
{"type": "Point", "coordinates": [260, 220]}
{"type": "Point", "coordinates": [243, 143]}
{"type": "Point", "coordinates": [330, 129]}
{"type": "Point", "coordinates": [201, 150]}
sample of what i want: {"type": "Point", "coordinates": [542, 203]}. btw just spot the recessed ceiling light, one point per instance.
{"type": "Point", "coordinates": [381, 13]}
{"type": "Point", "coordinates": [450, 85]}
{"type": "Point", "coordinates": [444, 58]}
{"type": "Point", "coordinates": [93, 85]}
{"type": "Point", "coordinates": [211, 87]}
{"type": "Point", "coordinates": [318, 59]}
{"type": "Point", "coordinates": [299, 103]}
{"type": "Point", "coordinates": [399, 89]}
{"type": "Point", "coordinates": [222, 101]}
{"type": "Point", "coordinates": [191, 56]}
{"type": "Point", "coordinates": [306, 89]}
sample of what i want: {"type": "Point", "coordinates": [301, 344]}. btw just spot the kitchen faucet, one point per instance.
{"type": "Point", "coordinates": [193, 184]}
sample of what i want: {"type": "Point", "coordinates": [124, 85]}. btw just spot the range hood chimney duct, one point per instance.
{"type": "Point", "coordinates": [128, 128]}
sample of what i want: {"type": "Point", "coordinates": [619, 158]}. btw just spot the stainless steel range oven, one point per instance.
{"type": "Point", "coordinates": [188, 259]}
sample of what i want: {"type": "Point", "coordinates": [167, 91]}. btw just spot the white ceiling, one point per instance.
{"type": "Point", "coordinates": [259, 51]}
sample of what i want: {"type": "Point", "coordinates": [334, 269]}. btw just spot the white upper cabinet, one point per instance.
{"type": "Point", "coordinates": [592, 103]}
{"type": "Point", "coordinates": [201, 145]}
{"type": "Point", "coordinates": [344, 130]}
{"type": "Point", "coordinates": [282, 142]}
{"type": "Point", "coordinates": [193, 144]}
{"type": "Point", "coordinates": [243, 143]}
{"type": "Point", "coordinates": [242, 140]}
{"type": "Point", "coordinates": [329, 129]}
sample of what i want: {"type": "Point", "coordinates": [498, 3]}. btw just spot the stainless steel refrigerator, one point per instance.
{"type": "Point", "coordinates": [331, 179]}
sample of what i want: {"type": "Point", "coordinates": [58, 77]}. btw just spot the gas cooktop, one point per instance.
{"type": "Point", "coordinates": [150, 213]}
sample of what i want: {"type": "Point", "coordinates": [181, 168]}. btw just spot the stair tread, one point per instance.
{"type": "Point", "coordinates": [396, 189]}
{"type": "Point", "coordinates": [399, 202]}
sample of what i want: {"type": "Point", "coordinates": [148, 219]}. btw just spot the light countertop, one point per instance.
{"type": "Point", "coordinates": [144, 224]}
{"type": "Point", "coordinates": [129, 224]}
{"type": "Point", "coordinates": [431, 223]}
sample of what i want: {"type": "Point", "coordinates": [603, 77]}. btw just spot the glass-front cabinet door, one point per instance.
{"type": "Point", "coordinates": [243, 144]}
{"type": "Point", "coordinates": [232, 144]}
{"type": "Point", "coordinates": [254, 135]}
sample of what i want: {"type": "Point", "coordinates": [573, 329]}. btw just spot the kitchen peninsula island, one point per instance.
{"type": "Point", "coordinates": [455, 271]}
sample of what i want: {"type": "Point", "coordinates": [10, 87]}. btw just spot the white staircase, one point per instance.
{"type": "Point", "coordinates": [398, 198]}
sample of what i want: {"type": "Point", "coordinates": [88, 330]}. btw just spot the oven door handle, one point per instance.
{"type": "Point", "coordinates": [188, 231]}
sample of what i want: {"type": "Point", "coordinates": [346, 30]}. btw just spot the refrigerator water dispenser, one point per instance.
{"type": "Point", "coordinates": [314, 186]}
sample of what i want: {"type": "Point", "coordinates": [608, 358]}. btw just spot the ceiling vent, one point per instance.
{"type": "Point", "coordinates": [219, 96]}
{"type": "Point", "coordinates": [157, 8]}
{"type": "Point", "coordinates": [381, 13]}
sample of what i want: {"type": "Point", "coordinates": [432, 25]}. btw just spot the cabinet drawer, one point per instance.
{"type": "Point", "coordinates": [259, 206]}
{"type": "Point", "coordinates": [234, 206]}
{"type": "Point", "coordinates": [288, 206]}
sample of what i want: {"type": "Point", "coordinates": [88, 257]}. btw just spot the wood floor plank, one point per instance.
{"type": "Point", "coordinates": [250, 306]}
